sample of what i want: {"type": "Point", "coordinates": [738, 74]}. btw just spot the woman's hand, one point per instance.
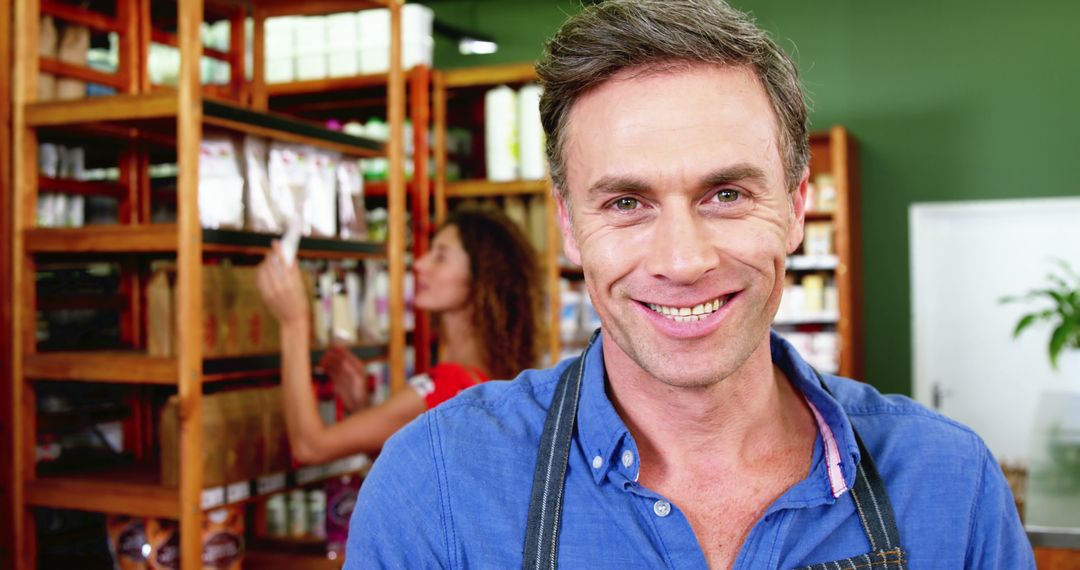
{"type": "Point", "coordinates": [348, 375]}
{"type": "Point", "coordinates": [282, 289]}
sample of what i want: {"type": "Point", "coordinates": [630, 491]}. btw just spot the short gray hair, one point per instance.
{"type": "Point", "coordinates": [607, 38]}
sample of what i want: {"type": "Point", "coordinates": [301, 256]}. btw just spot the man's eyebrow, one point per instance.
{"type": "Point", "coordinates": [609, 185]}
{"type": "Point", "coordinates": [734, 173]}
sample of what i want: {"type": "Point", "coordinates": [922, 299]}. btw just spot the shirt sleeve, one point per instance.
{"type": "Point", "coordinates": [997, 537]}
{"type": "Point", "coordinates": [399, 520]}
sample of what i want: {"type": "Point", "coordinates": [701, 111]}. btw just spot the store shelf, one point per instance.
{"type": "Point", "coordinates": [824, 318]}
{"type": "Point", "coordinates": [486, 189]}
{"type": "Point", "coordinates": [232, 367]}
{"type": "Point", "coordinates": [109, 189]}
{"type": "Point", "coordinates": [324, 85]}
{"type": "Point", "coordinates": [236, 241]}
{"type": "Point", "coordinates": [162, 238]}
{"type": "Point", "coordinates": [812, 262]}
{"type": "Point", "coordinates": [137, 491]}
{"type": "Point", "coordinates": [271, 8]}
{"type": "Point", "coordinates": [156, 112]}
{"type": "Point", "coordinates": [819, 216]}
{"type": "Point", "coordinates": [490, 75]}
{"type": "Point", "coordinates": [101, 366]}
{"type": "Point", "coordinates": [266, 555]}
{"type": "Point", "coordinates": [129, 367]}
{"type": "Point", "coordinates": [139, 238]}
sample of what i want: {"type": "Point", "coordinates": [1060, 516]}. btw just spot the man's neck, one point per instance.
{"type": "Point", "coordinates": [738, 422]}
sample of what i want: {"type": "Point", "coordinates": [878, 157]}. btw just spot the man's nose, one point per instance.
{"type": "Point", "coordinates": [680, 249]}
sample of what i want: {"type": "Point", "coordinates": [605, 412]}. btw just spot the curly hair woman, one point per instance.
{"type": "Point", "coordinates": [480, 280]}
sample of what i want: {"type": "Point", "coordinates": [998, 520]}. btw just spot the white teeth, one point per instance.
{"type": "Point", "coordinates": [688, 314]}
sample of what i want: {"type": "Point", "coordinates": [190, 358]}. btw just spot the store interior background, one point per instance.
{"type": "Point", "coordinates": [954, 101]}
{"type": "Point", "coordinates": [962, 100]}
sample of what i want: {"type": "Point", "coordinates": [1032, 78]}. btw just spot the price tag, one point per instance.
{"type": "Point", "coordinates": [213, 498]}
{"type": "Point", "coordinates": [310, 474]}
{"type": "Point", "coordinates": [238, 492]}
{"type": "Point", "coordinates": [270, 483]}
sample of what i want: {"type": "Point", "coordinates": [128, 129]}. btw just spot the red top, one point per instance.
{"type": "Point", "coordinates": [445, 381]}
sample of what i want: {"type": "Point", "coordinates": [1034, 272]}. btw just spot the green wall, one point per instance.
{"type": "Point", "coordinates": [956, 100]}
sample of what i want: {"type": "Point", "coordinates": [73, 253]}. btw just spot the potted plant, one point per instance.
{"type": "Point", "coordinates": [1053, 486]}
{"type": "Point", "coordinates": [1063, 293]}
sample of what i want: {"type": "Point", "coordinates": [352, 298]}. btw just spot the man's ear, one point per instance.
{"type": "Point", "coordinates": [570, 244]}
{"type": "Point", "coordinates": [797, 203]}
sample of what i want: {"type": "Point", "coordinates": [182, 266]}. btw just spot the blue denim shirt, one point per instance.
{"type": "Point", "coordinates": [451, 489]}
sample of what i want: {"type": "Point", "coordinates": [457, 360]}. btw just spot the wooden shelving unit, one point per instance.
{"type": "Point", "coordinates": [470, 82]}
{"type": "Point", "coordinates": [7, 473]}
{"type": "Point", "coordinates": [834, 152]}
{"type": "Point", "coordinates": [142, 116]}
{"type": "Point", "coordinates": [343, 98]}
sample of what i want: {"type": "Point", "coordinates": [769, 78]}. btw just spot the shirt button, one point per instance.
{"type": "Point", "coordinates": [627, 458]}
{"type": "Point", "coordinates": [597, 462]}
{"type": "Point", "coordinates": [662, 508]}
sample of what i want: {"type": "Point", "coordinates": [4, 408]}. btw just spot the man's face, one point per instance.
{"type": "Point", "coordinates": [678, 204]}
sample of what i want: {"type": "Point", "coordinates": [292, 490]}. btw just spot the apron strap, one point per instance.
{"type": "Point", "coordinates": [541, 547]}
{"type": "Point", "coordinates": [541, 550]}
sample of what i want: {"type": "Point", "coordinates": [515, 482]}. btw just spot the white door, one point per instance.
{"type": "Point", "coordinates": [965, 256]}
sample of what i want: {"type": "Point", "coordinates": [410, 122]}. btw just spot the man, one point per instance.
{"type": "Point", "coordinates": [688, 435]}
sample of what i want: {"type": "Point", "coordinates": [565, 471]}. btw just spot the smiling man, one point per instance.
{"type": "Point", "coordinates": [687, 435]}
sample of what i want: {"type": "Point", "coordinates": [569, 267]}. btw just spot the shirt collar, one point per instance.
{"type": "Point", "coordinates": [601, 430]}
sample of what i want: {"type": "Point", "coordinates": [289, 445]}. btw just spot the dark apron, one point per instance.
{"type": "Point", "coordinates": [541, 549]}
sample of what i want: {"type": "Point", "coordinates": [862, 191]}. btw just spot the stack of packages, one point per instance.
{"type": "Point", "coordinates": [154, 544]}
{"type": "Point", "coordinates": [267, 187]}
{"type": "Point", "coordinates": [349, 305]}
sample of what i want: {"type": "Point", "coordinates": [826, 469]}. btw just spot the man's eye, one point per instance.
{"type": "Point", "coordinates": [626, 203]}
{"type": "Point", "coordinates": [727, 195]}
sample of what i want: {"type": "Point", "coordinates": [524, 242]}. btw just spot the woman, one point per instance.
{"type": "Point", "coordinates": [480, 280]}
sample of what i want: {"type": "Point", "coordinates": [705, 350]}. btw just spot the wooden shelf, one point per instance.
{"type": "Point", "coordinates": [490, 75]}
{"type": "Point", "coordinates": [270, 8]}
{"type": "Point", "coordinates": [265, 555]}
{"type": "Point", "coordinates": [236, 241]}
{"type": "Point", "coordinates": [111, 189]}
{"type": "Point", "coordinates": [143, 238]}
{"type": "Point", "coordinates": [157, 112]}
{"type": "Point", "coordinates": [101, 366]}
{"type": "Point", "coordinates": [308, 87]}
{"type": "Point", "coordinates": [135, 492]}
{"type": "Point", "coordinates": [129, 367]}
{"type": "Point", "coordinates": [162, 238]}
{"type": "Point", "coordinates": [486, 189]}
{"type": "Point", "coordinates": [818, 216]}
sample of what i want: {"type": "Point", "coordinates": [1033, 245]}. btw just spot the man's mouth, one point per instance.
{"type": "Point", "coordinates": [689, 314]}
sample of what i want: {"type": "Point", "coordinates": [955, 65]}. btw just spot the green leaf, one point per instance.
{"type": "Point", "coordinates": [1024, 323]}
{"type": "Point", "coordinates": [1057, 342]}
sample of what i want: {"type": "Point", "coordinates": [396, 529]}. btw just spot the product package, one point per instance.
{"type": "Point", "coordinates": [160, 315]}
{"type": "Point", "coordinates": [213, 442]}
{"type": "Point", "coordinates": [223, 539]}
{"type": "Point", "coordinates": [320, 208]}
{"type": "Point", "coordinates": [74, 47]}
{"type": "Point", "coordinates": [500, 134]}
{"type": "Point", "coordinates": [289, 168]}
{"type": "Point", "coordinates": [48, 42]}
{"type": "Point", "coordinates": [127, 542]}
{"type": "Point", "coordinates": [221, 184]}
{"type": "Point", "coordinates": [352, 213]}
{"type": "Point", "coordinates": [263, 213]}
{"type": "Point", "coordinates": [212, 311]}
{"type": "Point", "coordinates": [341, 493]}
{"type": "Point", "coordinates": [163, 538]}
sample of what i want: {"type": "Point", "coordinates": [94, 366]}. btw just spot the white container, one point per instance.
{"type": "Point", "coordinates": [500, 134]}
{"type": "Point", "coordinates": [280, 69]}
{"type": "Point", "coordinates": [374, 59]}
{"type": "Point", "coordinates": [279, 36]}
{"type": "Point", "coordinates": [373, 27]}
{"type": "Point", "coordinates": [341, 30]}
{"type": "Point", "coordinates": [311, 34]}
{"type": "Point", "coordinates": [419, 51]}
{"type": "Point", "coordinates": [343, 61]}
{"type": "Point", "coordinates": [311, 64]}
{"type": "Point", "coordinates": [531, 133]}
